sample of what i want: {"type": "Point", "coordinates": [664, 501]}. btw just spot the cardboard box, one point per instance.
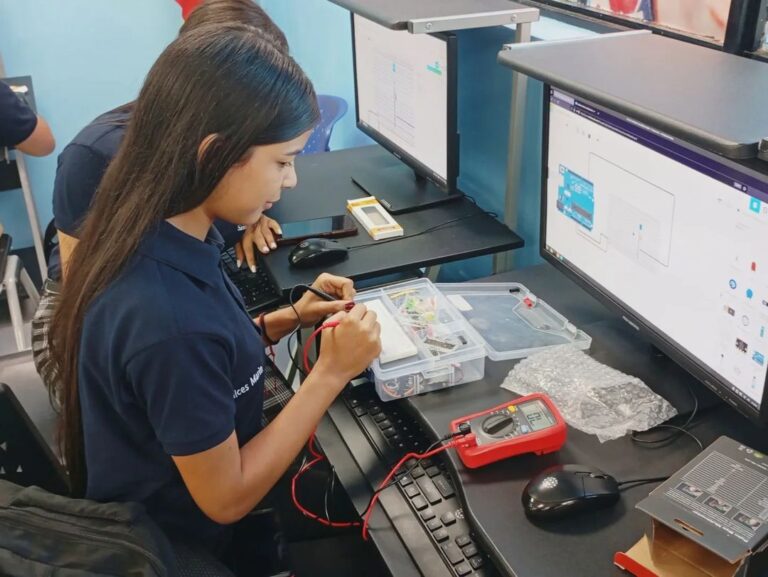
{"type": "Point", "coordinates": [710, 519]}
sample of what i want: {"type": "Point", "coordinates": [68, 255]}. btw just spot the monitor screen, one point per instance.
{"type": "Point", "coordinates": [672, 235]}
{"type": "Point", "coordinates": [403, 82]}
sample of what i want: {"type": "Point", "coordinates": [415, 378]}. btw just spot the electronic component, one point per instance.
{"type": "Point", "coordinates": [374, 219]}
{"type": "Point", "coordinates": [530, 424]}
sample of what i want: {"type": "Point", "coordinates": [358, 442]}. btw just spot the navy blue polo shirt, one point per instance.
{"type": "Point", "coordinates": [170, 364]}
{"type": "Point", "coordinates": [81, 166]}
{"type": "Point", "coordinates": [17, 120]}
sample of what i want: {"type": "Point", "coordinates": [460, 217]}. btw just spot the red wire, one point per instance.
{"type": "Point", "coordinates": [314, 452]}
{"type": "Point", "coordinates": [399, 464]}
{"type": "Point", "coordinates": [318, 330]}
{"type": "Point", "coordinates": [319, 457]}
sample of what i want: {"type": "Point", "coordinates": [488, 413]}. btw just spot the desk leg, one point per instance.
{"type": "Point", "coordinates": [34, 222]}
{"type": "Point", "coordinates": [504, 261]}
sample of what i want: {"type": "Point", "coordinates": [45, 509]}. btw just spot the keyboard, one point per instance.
{"type": "Point", "coordinates": [428, 489]}
{"type": "Point", "coordinates": [257, 289]}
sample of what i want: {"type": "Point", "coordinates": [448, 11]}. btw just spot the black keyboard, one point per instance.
{"type": "Point", "coordinates": [428, 488]}
{"type": "Point", "coordinates": [257, 289]}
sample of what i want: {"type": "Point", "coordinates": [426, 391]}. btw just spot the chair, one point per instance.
{"type": "Point", "coordinates": [25, 457]}
{"type": "Point", "coordinates": [11, 273]}
{"type": "Point", "coordinates": [332, 109]}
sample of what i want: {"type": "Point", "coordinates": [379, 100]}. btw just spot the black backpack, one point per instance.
{"type": "Point", "coordinates": [46, 535]}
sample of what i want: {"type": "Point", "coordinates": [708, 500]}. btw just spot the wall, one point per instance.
{"type": "Point", "coordinates": [320, 37]}
{"type": "Point", "coordinates": [85, 57]}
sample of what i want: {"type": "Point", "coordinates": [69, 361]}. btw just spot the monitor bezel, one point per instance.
{"type": "Point", "coordinates": [452, 134]}
{"type": "Point", "coordinates": [634, 320]}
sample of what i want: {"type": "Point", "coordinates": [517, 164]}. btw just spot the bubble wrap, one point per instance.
{"type": "Point", "coordinates": [591, 396]}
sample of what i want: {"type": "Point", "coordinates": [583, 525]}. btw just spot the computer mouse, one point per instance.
{"type": "Point", "coordinates": [317, 252]}
{"type": "Point", "coordinates": [565, 490]}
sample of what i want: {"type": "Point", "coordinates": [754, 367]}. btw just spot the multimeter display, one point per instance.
{"type": "Point", "coordinates": [537, 414]}
{"type": "Point", "coordinates": [531, 424]}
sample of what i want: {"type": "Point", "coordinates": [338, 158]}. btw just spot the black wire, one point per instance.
{"type": "Point", "coordinates": [680, 430]}
{"type": "Point", "coordinates": [638, 482]}
{"type": "Point", "coordinates": [430, 229]}
{"type": "Point", "coordinates": [473, 201]}
{"type": "Point", "coordinates": [295, 332]}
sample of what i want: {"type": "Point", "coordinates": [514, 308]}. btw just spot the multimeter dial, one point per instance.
{"type": "Point", "coordinates": [512, 421]}
{"type": "Point", "coordinates": [499, 425]}
{"type": "Point", "coordinates": [530, 424]}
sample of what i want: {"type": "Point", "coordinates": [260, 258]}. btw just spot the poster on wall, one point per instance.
{"type": "Point", "coordinates": [707, 18]}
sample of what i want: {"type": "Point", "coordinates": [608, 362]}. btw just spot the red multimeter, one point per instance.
{"type": "Point", "coordinates": [530, 424]}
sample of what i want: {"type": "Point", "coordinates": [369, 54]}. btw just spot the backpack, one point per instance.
{"type": "Point", "coordinates": [47, 535]}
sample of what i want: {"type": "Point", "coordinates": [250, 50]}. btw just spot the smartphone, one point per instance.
{"type": "Point", "coordinates": [326, 227]}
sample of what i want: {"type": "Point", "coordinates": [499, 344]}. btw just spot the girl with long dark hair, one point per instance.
{"type": "Point", "coordinates": [161, 368]}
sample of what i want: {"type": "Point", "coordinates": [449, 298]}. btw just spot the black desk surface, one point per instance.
{"type": "Point", "coordinates": [324, 188]}
{"type": "Point", "coordinates": [581, 546]}
{"type": "Point", "coordinates": [704, 96]}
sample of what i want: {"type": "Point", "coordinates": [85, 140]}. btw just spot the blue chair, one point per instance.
{"type": "Point", "coordinates": [332, 109]}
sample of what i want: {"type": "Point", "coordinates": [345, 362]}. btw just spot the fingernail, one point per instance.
{"type": "Point", "coordinates": [273, 245]}
{"type": "Point", "coordinates": [279, 231]}
{"type": "Point", "coordinates": [253, 269]}
{"type": "Point", "coordinates": [264, 249]}
{"type": "Point", "coordinates": [239, 263]}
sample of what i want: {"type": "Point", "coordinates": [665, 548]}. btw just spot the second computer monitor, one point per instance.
{"type": "Point", "coordinates": [671, 235]}
{"type": "Point", "coordinates": [405, 86]}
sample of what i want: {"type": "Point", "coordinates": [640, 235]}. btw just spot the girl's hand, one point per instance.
{"type": "Point", "coordinates": [312, 309]}
{"type": "Point", "coordinates": [349, 348]}
{"type": "Point", "coordinates": [262, 234]}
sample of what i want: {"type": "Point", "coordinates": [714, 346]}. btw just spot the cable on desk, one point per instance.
{"type": "Point", "coordinates": [679, 430]}
{"type": "Point", "coordinates": [473, 201]}
{"type": "Point", "coordinates": [430, 229]}
{"type": "Point", "coordinates": [632, 483]}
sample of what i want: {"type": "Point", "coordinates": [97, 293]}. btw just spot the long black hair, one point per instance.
{"type": "Point", "coordinates": [223, 80]}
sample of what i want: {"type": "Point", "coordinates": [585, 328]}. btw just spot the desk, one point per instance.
{"type": "Point", "coordinates": [578, 547]}
{"type": "Point", "coordinates": [324, 188]}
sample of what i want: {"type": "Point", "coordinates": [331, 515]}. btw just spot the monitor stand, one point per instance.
{"type": "Point", "coordinates": [400, 190]}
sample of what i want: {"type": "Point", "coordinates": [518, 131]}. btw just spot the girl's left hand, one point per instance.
{"type": "Point", "coordinates": [312, 309]}
{"type": "Point", "coordinates": [262, 235]}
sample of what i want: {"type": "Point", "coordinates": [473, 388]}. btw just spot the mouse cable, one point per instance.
{"type": "Point", "coordinates": [430, 229]}
{"type": "Point", "coordinates": [679, 430]}
{"type": "Point", "coordinates": [638, 482]}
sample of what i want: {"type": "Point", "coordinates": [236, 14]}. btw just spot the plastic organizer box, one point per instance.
{"type": "Point", "coordinates": [426, 343]}
{"type": "Point", "coordinates": [437, 336]}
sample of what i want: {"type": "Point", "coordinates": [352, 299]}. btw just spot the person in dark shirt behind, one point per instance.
{"type": "Point", "coordinates": [21, 128]}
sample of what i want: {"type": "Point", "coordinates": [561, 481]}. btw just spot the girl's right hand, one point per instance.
{"type": "Point", "coordinates": [349, 348]}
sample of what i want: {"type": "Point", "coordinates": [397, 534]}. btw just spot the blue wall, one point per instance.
{"type": "Point", "coordinates": [85, 57]}
{"type": "Point", "coordinates": [320, 37]}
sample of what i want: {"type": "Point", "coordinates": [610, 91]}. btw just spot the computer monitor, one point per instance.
{"type": "Point", "coordinates": [672, 236]}
{"type": "Point", "coordinates": [405, 89]}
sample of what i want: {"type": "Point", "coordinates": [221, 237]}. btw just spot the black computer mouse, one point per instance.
{"type": "Point", "coordinates": [317, 252]}
{"type": "Point", "coordinates": [565, 490]}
